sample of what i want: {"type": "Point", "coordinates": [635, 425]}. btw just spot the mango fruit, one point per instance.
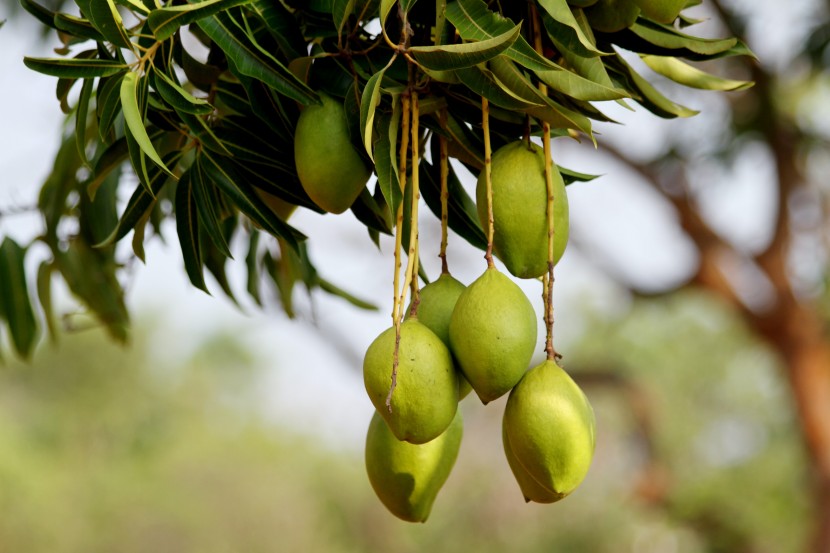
{"type": "Point", "coordinates": [610, 16]}
{"type": "Point", "coordinates": [493, 334]}
{"type": "Point", "coordinates": [548, 433]}
{"type": "Point", "coordinates": [329, 167]}
{"type": "Point", "coordinates": [437, 301]}
{"type": "Point", "coordinates": [407, 477]}
{"type": "Point", "coordinates": [662, 11]}
{"type": "Point", "coordinates": [425, 398]}
{"type": "Point", "coordinates": [520, 236]}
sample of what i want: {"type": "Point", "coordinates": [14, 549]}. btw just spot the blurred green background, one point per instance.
{"type": "Point", "coordinates": [103, 449]}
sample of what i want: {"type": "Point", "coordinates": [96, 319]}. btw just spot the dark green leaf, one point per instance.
{"type": "Point", "coordinates": [44, 294]}
{"type": "Point", "coordinates": [166, 21]}
{"type": "Point", "coordinates": [177, 97]}
{"type": "Point", "coordinates": [134, 118]}
{"type": "Point", "coordinates": [104, 15]}
{"type": "Point", "coordinates": [74, 68]}
{"type": "Point", "coordinates": [187, 228]}
{"type": "Point", "coordinates": [253, 268]}
{"type": "Point", "coordinates": [14, 297]}
{"type": "Point", "coordinates": [77, 26]}
{"type": "Point", "coordinates": [42, 14]}
{"type": "Point", "coordinates": [81, 123]}
{"type": "Point", "coordinates": [209, 216]}
{"type": "Point", "coordinates": [108, 103]}
{"type": "Point", "coordinates": [457, 56]}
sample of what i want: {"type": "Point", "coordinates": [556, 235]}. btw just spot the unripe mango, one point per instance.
{"type": "Point", "coordinates": [328, 165]}
{"type": "Point", "coordinates": [610, 16]}
{"type": "Point", "coordinates": [520, 237]}
{"type": "Point", "coordinates": [437, 301]}
{"type": "Point", "coordinates": [549, 433]}
{"type": "Point", "coordinates": [425, 398]}
{"type": "Point", "coordinates": [407, 477]}
{"type": "Point", "coordinates": [662, 11]}
{"type": "Point", "coordinates": [493, 334]}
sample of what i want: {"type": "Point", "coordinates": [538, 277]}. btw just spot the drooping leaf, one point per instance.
{"type": "Point", "coordinates": [687, 75]}
{"type": "Point", "coordinates": [386, 160]}
{"type": "Point", "coordinates": [166, 21]}
{"type": "Point", "coordinates": [44, 294]}
{"type": "Point", "coordinates": [179, 98]}
{"type": "Point", "coordinates": [561, 23]}
{"type": "Point", "coordinates": [108, 104]}
{"type": "Point", "coordinates": [77, 26]}
{"type": "Point", "coordinates": [41, 13]}
{"type": "Point", "coordinates": [283, 27]}
{"type": "Point", "coordinates": [254, 63]}
{"type": "Point", "coordinates": [81, 119]}
{"type": "Point", "coordinates": [368, 104]}
{"type": "Point", "coordinates": [134, 119]}
{"type": "Point", "coordinates": [187, 228]}
{"type": "Point", "coordinates": [104, 15]}
{"type": "Point", "coordinates": [14, 297]}
{"type": "Point", "coordinates": [74, 68]}
{"type": "Point", "coordinates": [209, 215]}
{"type": "Point", "coordinates": [457, 56]}
{"type": "Point", "coordinates": [252, 267]}
{"type": "Point", "coordinates": [651, 98]}
{"type": "Point", "coordinates": [462, 216]}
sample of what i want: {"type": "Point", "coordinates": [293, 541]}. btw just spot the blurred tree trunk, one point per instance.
{"type": "Point", "coordinates": [793, 326]}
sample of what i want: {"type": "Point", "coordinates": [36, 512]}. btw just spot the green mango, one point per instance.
{"type": "Point", "coordinates": [328, 165]}
{"type": "Point", "coordinates": [437, 300]}
{"type": "Point", "coordinates": [426, 395]}
{"type": "Point", "coordinates": [610, 16]}
{"type": "Point", "coordinates": [407, 477]}
{"type": "Point", "coordinates": [582, 3]}
{"type": "Point", "coordinates": [662, 11]}
{"type": "Point", "coordinates": [520, 223]}
{"type": "Point", "coordinates": [549, 433]}
{"type": "Point", "coordinates": [493, 334]}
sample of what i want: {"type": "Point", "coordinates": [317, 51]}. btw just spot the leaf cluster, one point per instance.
{"type": "Point", "coordinates": [191, 108]}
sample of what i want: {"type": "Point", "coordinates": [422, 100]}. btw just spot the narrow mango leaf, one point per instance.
{"type": "Point", "coordinates": [251, 62]}
{"type": "Point", "coordinates": [406, 5]}
{"type": "Point", "coordinates": [41, 13]}
{"type": "Point", "coordinates": [136, 5]}
{"type": "Point", "coordinates": [385, 7]}
{"type": "Point", "coordinates": [330, 288]}
{"type": "Point", "coordinates": [591, 68]}
{"type": "Point", "coordinates": [252, 267]}
{"type": "Point", "coordinates": [385, 162]}
{"type": "Point", "coordinates": [685, 74]}
{"type": "Point", "coordinates": [138, 160]}
{"type": "Point", "coordinates": [475, 22]}
{"type": "Point", "coordinates": [203, 133]}
{"type": "Point", "coordinates": [215, 262]}
{"type": "Point", "coordinates": [458, 56]}
{"type": "Point", "coordinates": [77, 26]}
{"type": "Point", "coordinates": [187, 228]}
{"type": "Point", "coordinates": [81, 123]}
{"type": "Point", "coordinates": [74, 68]}
{"type": "Point", "coordinates": [108, 104]}
{"type": "Point", "coordinates": [561, 23]}
{"type": "Point", "coordinates": [572, 84]}
{"type": "Point", "coordinates": [570, 176]}
{"type": "Point", "coordinates": [283, 27]}
{"type": "Point", "coordinates": [647, 37]}
{"type": "Point", "coordinates": [140, 203]}
{"type": "Point", "coordinates": [464, 145]}
{"type": "Point", "coordinates": [104, 15]}
{"type": "Point", "coordinates": [340, 12]}
{"type": "Point", "coordinates": [368, 211]}
{"type": "Point", "coordinates": [134, 119]}
{"type": "Point", "coordinates": [245, 198]}
{"type": "Point", "coordinates": [166, 21]}
{"type": "Point", "coordinates": [110, 159]}
{"type": "Point", "coordinates": [209, 215]}
{"type": "Point", "coordinates": [369, 101]}
{"type": "Point", "coordinates": [177, 97]}
{"type": "Point", "coordinates": [481, 80]}
{"type": "Point", "coordinates": [44, 294]}
{"type": "Point", "coordinates": [651, 98]}
{"type": "Point", "coordinates": [14, 296]}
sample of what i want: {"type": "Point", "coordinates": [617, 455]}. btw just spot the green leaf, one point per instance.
{"type": "Point", "coordinates": [252, 62]}
{"type": "Point", "coordinates": [570, 176]}
{"type": "Point", "coordinates": [200, 129]}
{"type": "Point", "coordinates": [340, 12]}
{"type": "Point", "coordinates": [386, 159]}
{"type": "Point", "coordinates": [330, 288]}
{"type": "Point", "coordinates": [177, 97]}
{"type": "Point", "coordinates": [481, 80]}
{"type": "Point", "coordinates": [14, 297]}
{"type": "Point", "coordinates": [369, 101]}
{"type": "Point", "coordinates": [187, 228]}
{"type": "Point", "coordinates": [367, 210]}
{"type": "Point", "coordinates": [77, 26]}
{"type": "Point", "coordinates": [253, 268]}
{"type": "Point", "coordinates": [592, 68]}
{"type": "Point", "coordinates": [74, 68]}
{"type": "Point", "coordinates": [687, 75]}
{"type": "Point", "coordinates": [166, 21]}
{"type": "Point", "coordinates": [81, 122]}
{"type": "Point", "coordinates": [561, 23]}
{"type": "Point", "coordinates": [205, 197]}
{"type": "Point", "coordinates": [284, 28]}
{"type": "Point", "coordinates": [44, 294]}
{"type": "Point", "coordinates": [108, 103]}
{"type": "Point", "coordinates": [104, 15]}
{"type": "Point", "coordinates": [42, 14]}
{"type": "Point", "coordinates": [651, 98]}
{"type": "Point", "coordinates": [134, 119]}
{"type": "Point", "coordinates": [457, 56]}
{"type": "Point", "coordinates": [474, 21]}
{"type": "Point", "coordinates": [245, 198]}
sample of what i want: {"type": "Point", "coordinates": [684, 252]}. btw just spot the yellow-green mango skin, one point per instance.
{"type": "Point", "coordinates": [493, 334]}
{"type": "Point", "coordinates": [330, 169]}
{"type": "Point", "coordinates": [531, 489]}
{"type": "Point", "coordinates": [662, 11]}
{"type": "Point", "coordinates": [407, 477]}
{"type": "Point", "coordinates": [437, 300]}
{"type": "Point", "coordinates": [426, 395]}
{"type": "Point", "coordinates": [582, 3]}
{"type": "Point", "coordinates": [520, 235]}
{"type": "Point", "coordinates": [549, 430]}
{"type": "Point", "coordinates": [610, 16]}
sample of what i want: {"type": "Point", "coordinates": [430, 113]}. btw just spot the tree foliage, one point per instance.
{"type": "Point", "coordinates": [189, 111]}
